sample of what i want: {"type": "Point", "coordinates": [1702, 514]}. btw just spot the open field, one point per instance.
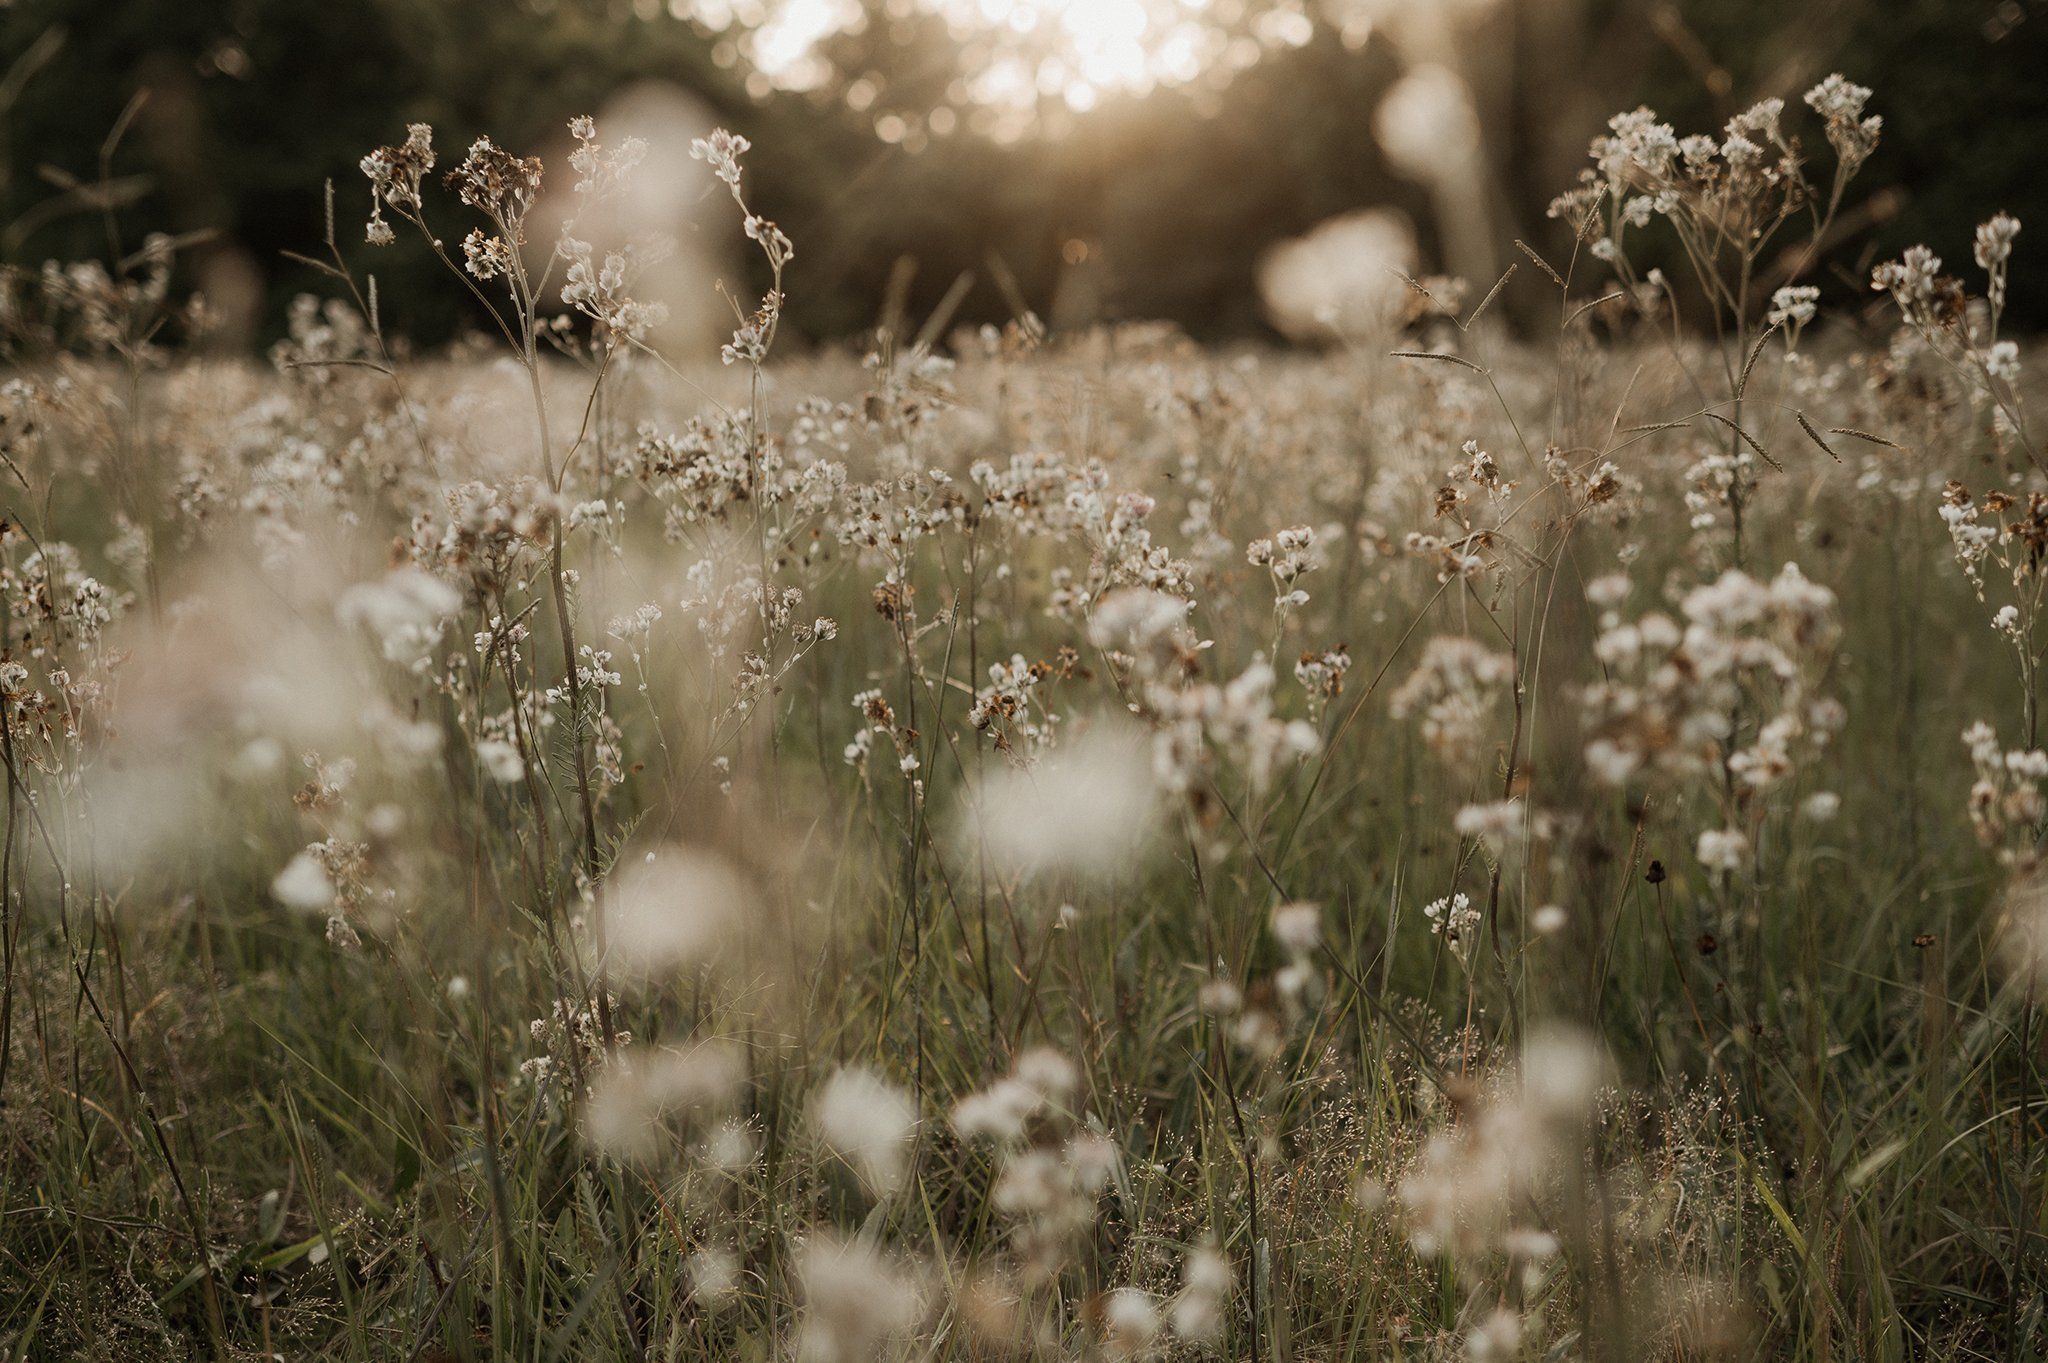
{"type": "Point", "coordinates": [1449, 845]}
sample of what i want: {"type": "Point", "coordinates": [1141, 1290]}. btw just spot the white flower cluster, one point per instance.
{"type": "Point", "coordinates": [1852, 134]}
{"type": "Point", "coordinates": [1235, 720]}
{"type": "Point", "coordinates": [484, 533]}
{"type": "Point", "coordinates": [2006, 805]}
{"type": "Point", "coordinates": [1454, 688]}
{"type": "Point", "coordinates": [1723, 849]}
{"type": "Point", "coordinates": [1455, 920]}
{"type": "Point", "coordinates": [600, 172]}
{"type": "Point", "coordinates": [1206, 1283]}
{"type": "Point", "coordinates": [1994, 241]}
{"type": "Point", "coordinates": [1971, 539]}
{"type": "Point", "coordinates": [1196, 724]}
{"type": "Point", "coordinates": [1286, 556]}
{"type": "Point", "coordinates": [856, 1299]}
{"type": "Point", "coordinates": [1482, 471]}
{"type": "Point", "coordinates": [1468, 1193]}
{"type": "Point", "coordinates": [1039, 1088]}
{"type": "Point", "coordinates": [599, 291]}
{"type": "Point", "coordinates": [879, 719]}
{"type": "Point", "coordinates": [1321, 676]}
{"type": "Point", "coordinates": [1298, 928]}
{"type": "Point", "coordinates": [722, 152]}
{"type": "Point", "coordinates": [405, 612]}
{"type": "Point", "coordinates": [1669, 703]}
{"type": "Point", "coordinates": [1003, 707]}
{"type": "Point", "coordinates": [1049, 1186]}
{"type": "Point", "coordinates": [1499, 825]}
{"type": "Point", "coordinates": [1719, 483]}
{"type": "Point", "coordinates": [1792, 307]}
{"type": "Point", "coordinates": [395, 174]}
{"type": "Point", "coordinates": [1917, 285]}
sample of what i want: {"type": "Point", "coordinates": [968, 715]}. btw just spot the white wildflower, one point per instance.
{"type": "Point", "coordinates": [303, 885]}
{"type": "Point", "coordinates": [1723, 849]}
{"type": "Point", "coordinates": [868, 1123]}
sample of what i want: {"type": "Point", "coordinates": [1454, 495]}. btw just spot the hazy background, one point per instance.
{"type": "Point", "coordinates": [1090, 159]}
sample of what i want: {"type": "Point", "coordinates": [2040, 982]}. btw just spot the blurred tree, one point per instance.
{"type": "Point", "coordinates": [1153, 206]}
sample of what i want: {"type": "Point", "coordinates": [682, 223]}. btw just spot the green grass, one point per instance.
{"type": "Point", "coordinates": [1810, 1123]}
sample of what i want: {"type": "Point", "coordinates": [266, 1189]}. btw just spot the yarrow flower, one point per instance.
{"type": "Point", "coordinates": [1453, 918]}
{"type": "Point", "coordinates": [395, 174]}
{"type": "Point", "coordinates": [2002, 361]}
{"type": "Point", "coordinates": [722, 152]}
{"type": "Point", "coordinates": [1453, 688]}
{"type": "Point", "coordinates": [600, 291]}
{"type": "Point", "coordinates": [1994, 241]}
{"type": "Point", "coordinates": [2006, 803]}
{"type": "Point", "coordinates": [599, 172]}
{"type": "Point", "coordinates": [1793, 305]}
{"type": "Point", "coordinates": [1840, 102]}
{"type": "Point", "coordinates": [1917, 285]}
{"type": "Point", "coordinates": [494, 181]}
{"type": "Point", "coordinates": [486, 257]}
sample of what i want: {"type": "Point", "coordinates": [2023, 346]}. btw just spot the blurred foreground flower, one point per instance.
{"type": "Point", "coordinates": [1342, 281]}
{"type": "Point", "coordinates": [854, 1301]}
{"type": "Point", "coordinates": [672, 908]}
{"type": "Point", "coordinates": [867, 1122]}
{"type": "Point", "coordinates": [635, 1094]}
{"type": "Point", "coordinates": [1088, 806]}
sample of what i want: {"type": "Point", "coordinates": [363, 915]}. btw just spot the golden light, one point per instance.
{"type": "Point", "coordinates": [1082, 51]}
{"type": "Point", "coordinates": [1019, 56]}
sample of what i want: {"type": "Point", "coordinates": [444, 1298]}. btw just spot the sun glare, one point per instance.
{"type": "Point", "coordinates": [1082, 51]}
{"type": "Point", "coordinates": [1019, 56]}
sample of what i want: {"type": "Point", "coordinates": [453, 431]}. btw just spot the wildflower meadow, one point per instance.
{"type": "Point", "coordinates": [1453, 838]}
